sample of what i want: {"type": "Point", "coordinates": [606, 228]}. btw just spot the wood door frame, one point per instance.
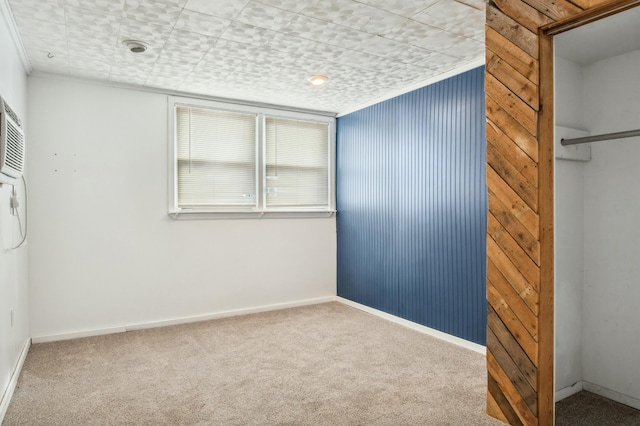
{"type": "Point", "coordinates": [546, 127]}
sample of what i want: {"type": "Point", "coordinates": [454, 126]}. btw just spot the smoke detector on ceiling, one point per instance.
{"type": "Point", "coordinates": [135, 46]}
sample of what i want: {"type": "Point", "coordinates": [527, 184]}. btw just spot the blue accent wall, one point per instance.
{"type": "Point", "coordinates": [411, 198]}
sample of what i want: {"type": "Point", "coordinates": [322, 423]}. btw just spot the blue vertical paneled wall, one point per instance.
{"type": "Point", "coordinates": [411, 198]}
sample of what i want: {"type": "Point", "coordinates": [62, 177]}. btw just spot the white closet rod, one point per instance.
{"type": "Point", "coordinates": [597, 138]}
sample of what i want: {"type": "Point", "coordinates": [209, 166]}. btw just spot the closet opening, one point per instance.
{"type": "Point", "coordinates": [596, 237]}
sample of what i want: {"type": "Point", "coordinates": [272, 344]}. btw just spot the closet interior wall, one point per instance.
{"type": "Point", "coordinates": [597, 204]}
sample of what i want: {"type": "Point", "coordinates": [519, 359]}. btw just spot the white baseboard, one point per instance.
{"type": "Point", "coordinates": [13, 382]}
{"type": "Point", "coordinates": [612, 395]}
{"type": "Point", "coordinates": [224, 314]}
{"type": "Point", "coordinates": [568, 391]}
{"type": "Point", "coordinates": [598, 390]}
{"type": "Point", "coordinates": [182, 320]}
{"type": "Point", "coordinates": [78, 334]}
{"type": "Point", "coordinates": [417, 327]}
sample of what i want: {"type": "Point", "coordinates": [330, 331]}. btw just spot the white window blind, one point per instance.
{"type": "Point", "coordinates": [296, 164]}
{"type": "Point", "coordinates": [216, 159]}
{"type": "Point", "coordinates": [230, 160]}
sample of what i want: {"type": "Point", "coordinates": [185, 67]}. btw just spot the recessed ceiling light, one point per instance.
{"type": "Point", "coordinates": [318, 79]}
{"type": "Point", "coordinates": [135, 46]}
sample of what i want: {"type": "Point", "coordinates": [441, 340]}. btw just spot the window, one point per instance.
{"type": "Point", "coordinates": [244, 160]}
{"type": "Point", "coordinates": [297, 166]}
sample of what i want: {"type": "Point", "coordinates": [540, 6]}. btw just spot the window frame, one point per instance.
{"type": "Point", "coordinates": [261, 112]}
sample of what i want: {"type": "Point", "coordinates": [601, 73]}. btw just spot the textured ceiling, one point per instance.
{"type": "Point", "coordinates": [254, 50]}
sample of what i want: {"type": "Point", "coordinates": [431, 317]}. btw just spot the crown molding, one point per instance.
{"type": "Point", "coordinates": [9, 19]}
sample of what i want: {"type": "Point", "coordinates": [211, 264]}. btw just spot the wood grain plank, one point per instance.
{"type": "Point", "coordinates": [554, 9]}
{"type": "Point", "coordinates": [524, 14]}
{"type": "Point", "coordinates": [512, 274]}
{"type": "Point", "coordinates": [584, 4]}
{"type": "Point", "coordinates": [587, 4]}
{"type": "Point", "coordinates": [494, 410]}
{"type": "Point", "coordinates": [514, 130]}
{"type": "Point", "coordinates": [514, 300]}
{"type": "Point", "coordinates": [512, 54]}
{"type": "Point", "coordinates": [524, 339]}
{"type": "Point", "coordinates": [512, 153]}
{"type": "Point", "coordinates": [516, 82]}
{"type": "Point", "coordinates": [527, 393]}
{"type": "Point", "coordinates": [505, 408]}
{"type": "Point", "coordinates": [513, 348]}
{"type": "Point", "coordinates": [517, 230]}
{"type": "Point", "coordinates": [518, 208]}
{"type": "Point", "coordinates": [510, 392]}
{"type": "Point", "coordinates": [514, 252]}
{"type": "Point", "coordinates": [512, 30]}
{"type": "Point", "coordinates": [516, 107]}
{"type": "Point", "coordinates": [512, 176]}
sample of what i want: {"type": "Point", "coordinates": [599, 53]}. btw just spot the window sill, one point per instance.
{"type": "Point", "coordinates": [288, 214]}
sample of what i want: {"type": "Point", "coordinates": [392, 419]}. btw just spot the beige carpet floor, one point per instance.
{"type": "Point", "coordinates": [326, 364]}
{"type": "Point", "coordinates": [588, 409]}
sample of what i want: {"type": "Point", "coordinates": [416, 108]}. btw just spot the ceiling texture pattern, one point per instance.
{"type": "Point", "coordinates": [262, 51]}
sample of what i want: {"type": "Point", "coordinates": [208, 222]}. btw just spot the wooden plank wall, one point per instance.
{"type": "Point", "coordinates": [518, 77]}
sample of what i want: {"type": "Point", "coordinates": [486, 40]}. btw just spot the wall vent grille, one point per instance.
{"type": "Point", "coordinates": [12, 145]}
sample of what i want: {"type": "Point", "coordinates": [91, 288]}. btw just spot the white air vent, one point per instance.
{"type": "Point", "coordinates": [11, 145]}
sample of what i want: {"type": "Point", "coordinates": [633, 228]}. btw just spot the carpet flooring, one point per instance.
{"type": "Point", "coordinates": [326, 364]}
{"type": "Point", "coordinates": [588, 409]}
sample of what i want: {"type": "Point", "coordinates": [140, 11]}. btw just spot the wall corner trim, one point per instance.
{"type": "Point", "coordinates": [417, 327]}
{"type": "Point", "coordinates": [9, 19]}
{"type": "Point", "coordinates": [13, 382]}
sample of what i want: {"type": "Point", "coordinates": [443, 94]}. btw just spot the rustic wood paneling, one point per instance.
{"type": "Point", "coordinates": [519, 105]}
{"type": "Point", "coordinates": [554, 9]}
{"type": "Point", "coordinates": [524, 14]}
{"type": "Point", "coordinates": [514, 130]}
{"type": "Point", "coordinates": [516, 205]}
{"type": "Point", "coordinates": [523, 237]}
{"type": "Point", "coordinates": [509, 366]}
{"type": "Point", "coordinates": [510, 391]}
{"type": "Point", "coordinates": [512, 274]}
{"type": "Point", "coordinates": [502, 406]}
{"type": "Point", "coordinates": [510, 174]}
{"type": "Point", "coordinates": [515, 302]}
{"type": "Point", "coordinates": [511, 30]}
{"type": "Point", "coordinates": [516, 82]}
{"type": "Point", "coordinates": [512, 54]}
{"type": "Point", "coordinates": [512, 153]}
{"type": "Point", "coordinates": [514, 252]}
{"type": "Point", "coordinates": [513, 323]}
{"type": "Point", "coordinates": [515, 107]}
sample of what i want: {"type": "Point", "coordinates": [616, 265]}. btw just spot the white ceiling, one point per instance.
{"type": "Point", "coordinates": [602, 39]}
{"type": "Point", "coordinates": [256, 50]}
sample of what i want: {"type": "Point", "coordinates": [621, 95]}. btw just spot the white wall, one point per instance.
{"type": "Point", "coordinates": [569, 98]}
{"type": "Point", "coordinates": [13, 263]}
{"type": "Point", "coordinates": [597, 236]}
{"type": "Point", "coordinates": [569, 226]}
{"type": "Point", "coordinates": [612, 235]}
{"type": "Point", "coordinates": [104, 253]}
